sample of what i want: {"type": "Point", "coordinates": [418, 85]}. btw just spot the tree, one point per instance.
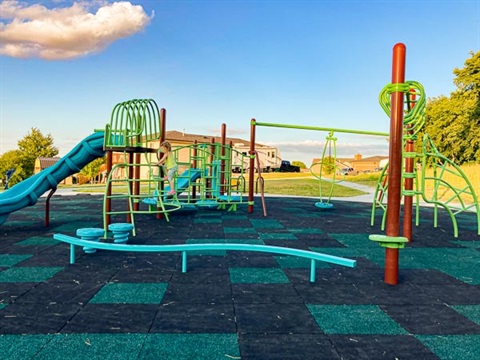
{"type": "Point", "coordinates": [32, 146]}
{"type": "Point", "coordinates": [92, 169]}
{"type": "Point", "coordinates": [453, 122]}
{"type": "Point", "coordinates": [300, 164]}
{"type": "Point", "coordinates": [12, 160]}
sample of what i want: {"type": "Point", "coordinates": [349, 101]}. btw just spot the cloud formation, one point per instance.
{"type": "Point", "coordinates": [34, 31]}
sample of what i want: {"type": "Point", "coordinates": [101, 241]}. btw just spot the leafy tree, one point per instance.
{"type": "Point", "coordinates": [300, 164]}
{"type": "Point", "coordinates": [454, 122]}
{"type": "Point", "coordinates": [32, 146]}
{"type": "Point", "coordinates": [92, 169]}
{"type": "Point", "coordinates": [11, 160]}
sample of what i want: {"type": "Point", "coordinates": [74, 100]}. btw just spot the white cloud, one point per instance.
{"type": "Point", "coordinates": [34, 31]}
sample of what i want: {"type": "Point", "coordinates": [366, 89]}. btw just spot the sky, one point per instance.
{"type": "Point", "coordinates": [65, 64]}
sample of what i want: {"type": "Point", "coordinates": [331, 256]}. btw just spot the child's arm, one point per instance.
{"type": "Point", "coordinates": [162, 159]}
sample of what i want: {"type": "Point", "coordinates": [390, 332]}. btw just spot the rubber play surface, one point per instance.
{"type": "Point", "coordinates": [235, 304]}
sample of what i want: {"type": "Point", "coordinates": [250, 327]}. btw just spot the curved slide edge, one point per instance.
{"type": "Point", "coordinates": [27, 192]}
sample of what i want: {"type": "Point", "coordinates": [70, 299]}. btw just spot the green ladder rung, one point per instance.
{"type": "Point", "coordinates": [393, 242]}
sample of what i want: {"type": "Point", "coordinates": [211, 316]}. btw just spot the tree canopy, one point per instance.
{"type": "Point", "coordinates": [453, 122]}
{"type": "Point", "coordinates": [34, 145]}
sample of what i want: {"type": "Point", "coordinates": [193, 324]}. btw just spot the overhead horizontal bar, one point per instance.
{"type": "Point", "coordinates": [317, 128]}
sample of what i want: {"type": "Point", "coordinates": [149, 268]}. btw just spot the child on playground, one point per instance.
{"type": "Point", "coordinates": [168, 162]}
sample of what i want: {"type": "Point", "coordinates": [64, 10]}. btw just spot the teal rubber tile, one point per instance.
{"type": "Point", "coordinates": [28, 274]}
{"type": "Point", "coordinates": [296, 262]}
{"type": "Point", "coordinates": [305, 231]}
{"type": "Point", "coordinates": [92, 346]}
{"type": "Point", "coordinates": [37, 240]}
{"type": "Point", "coordinates": [266, 224]}
{"type": "Point", "coordinates": [257, 276]}
{"type": "Point", "coordinates": [130, 293]}
{"type": "Point", "coordinates": [206, 220]}
{"type": "Point", "coordinates": [7, 260]}
{"type": "Point", "coordinates": [467, 244]}
{"type": "Point", "coordinates": [277, 236]}
{"type": "Point", "coordinates": [239, 230]}
{"type": "Point", "coordinates": [2, 306]}
{"type": "Point", "coordinates": [244, 241]}
{"type": "Point", "coordinates": [75, 225]}
{"type": "Point", "coordinates": [470, 311]}
{"type": "Point", "coordinates": [233, 216]}
{"type": "Point", "coordinates": [354, 241]}
{"type": "Point", "coordinates": [20, 347]}
{"type": "Point", "coordinates": [19, 223]}
{"type": "Point", "coordinates": [452, 347]}
{"type": "Point", "coordinates": [190, 346]}
{"type": "Point", "coordinates": [354, 320]}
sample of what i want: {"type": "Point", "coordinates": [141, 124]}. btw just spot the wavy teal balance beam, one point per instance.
{"type": "Point", "coordinates": [184, 248]}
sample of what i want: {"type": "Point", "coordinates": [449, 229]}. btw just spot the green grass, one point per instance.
{"type": "Point", "coordinates": [308, 187]}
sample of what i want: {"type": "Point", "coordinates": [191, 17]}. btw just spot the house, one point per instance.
{"type": "Point", "coordinates": [269, 156]}
{"type": "Point", "coordinates": [357, 163]}
{"type": "Point", "coordinates": [42, 163]}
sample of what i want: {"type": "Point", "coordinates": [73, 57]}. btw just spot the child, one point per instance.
{"type": "Point", "coordinates": [170, 166]}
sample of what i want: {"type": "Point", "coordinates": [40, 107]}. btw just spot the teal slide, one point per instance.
{"type": "Point", "coordinates": [183, 181]}
{"type": "Point", "coordinates": [27, 192]}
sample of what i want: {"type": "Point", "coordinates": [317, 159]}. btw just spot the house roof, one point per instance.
{"type": "Point", "coordinates": [370, 158]}
{"type": "Point", "coordinates": [46, 162]}
{"type": "Point", "coordinates": [178, 136]}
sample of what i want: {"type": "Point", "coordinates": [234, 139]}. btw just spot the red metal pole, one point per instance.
{"type": "Point", "coordinates": [108, 200]}
{"type": "Point", "coordinates": [163, 126]}
{"type": "Point", "coordinates": [194, 165]}
{"type": "Point", "coordinates": [395, 164]}
{"type": "Point", "coordinates": [251, 174]}
{"type": "Point", "coordinates": [222, 162]}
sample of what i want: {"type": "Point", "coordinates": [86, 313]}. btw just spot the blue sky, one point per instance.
{"type": "Point", "coordinates": [315, 63]}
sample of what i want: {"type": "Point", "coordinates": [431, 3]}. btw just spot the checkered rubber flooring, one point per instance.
{"type": "Point", "coordinates": [237, 305]}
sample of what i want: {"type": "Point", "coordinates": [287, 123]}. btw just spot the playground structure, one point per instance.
{"type": "Point", "coordinates": [460, 199]}
{"type": "Point", "coordinates": [406, 120]}
{"type": "Point", "coordinates": [205, 176]}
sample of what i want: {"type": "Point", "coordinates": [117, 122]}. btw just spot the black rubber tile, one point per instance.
{"type": "Point", "coordinates": [369, 347]}
{"type": "Point", "coordinates": [46, 260]}
{"type": "Point", "coordinates": [194, 318]}
{"type": "Point", "coordinates": [402, 294]}
{"type": "Point", "coordinates": [61, 292]}
{"type": "Point", "coordinates": [329, 275]}
{"type": "Point", "coordinates": [460, 294]}
{"type": "Point", "coordinates": [275, 318]}
{"type": "Point", "coordinates": [202, 276]}
{"type": "Point", "coordinates": [265, 294]}
{"type": "Point", "coordinates": [322, 293]}
{"type": "Point", "coordinates": [38, 318]}
{"type": "Point", "coordinates": [431, 319]}
{"type": "Point", "coordinates": [426, 276]}
{"type": "Point", "coordinates": [209, 293]}
{"type": "Point", "coordinates": [10, 292]}
{"type": "Point", "coordinates": [84, 273]}
{"type": "Point", "coordinates": [287, 346]}
{"type": "Point", "coordinates": [112, 318]}
{"type": "Point", "coordinates": [250, 259]}
{"type": "Point", "coordinates": [205, 262]}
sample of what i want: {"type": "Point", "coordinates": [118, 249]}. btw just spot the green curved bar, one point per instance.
{"type": "Point", "coordinates": [184, 248]}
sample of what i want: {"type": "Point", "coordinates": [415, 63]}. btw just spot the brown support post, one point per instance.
{"type": "Point", "coordinates": [395, 164]}
{"type": "Point", "coordinates": [136, 184]}
{"type": "Point", "coordinates": [194, 165]}
{"type": "Point", "coordinates": [163, 126]}
{"type": "Point", "coordinates": [222, 161]}
{"type": "Point", "coordinates": [108, 200]}
{"type": "Point", "coordinates": [47, 206]}
{"type": "Point", "coordinates": [251, 174]}
{"type": "Point", "coordinates": [130, 185]}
